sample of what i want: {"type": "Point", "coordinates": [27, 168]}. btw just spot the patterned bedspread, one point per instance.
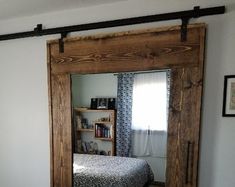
{"type": "Point", "coordinates": [110, 171]}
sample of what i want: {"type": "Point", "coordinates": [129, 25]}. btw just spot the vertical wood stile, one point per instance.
{"type": "Point", "coordinates": [62, 130]}
{"type": "Point", "coordinates": [175, 155]}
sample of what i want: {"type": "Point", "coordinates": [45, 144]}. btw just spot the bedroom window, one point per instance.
{"type": "Point", "coordinates": [142, 112]}
{"type": "Point", "coordinates": [149, 114]}
{"type": "Point", "coordinates": [150, 101]}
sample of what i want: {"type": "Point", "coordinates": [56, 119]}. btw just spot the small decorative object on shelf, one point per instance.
{"type": "Point", "coordinates": [95, 147]}
{"type": "Point", "coordinates": [103, 153]}
{"type": "Point", "coordinates": [111, 103]}
{"type": "Point", "coordinates": [84, 123]}
{"type": "Point", "coordinates": [79, 122]}
{"type": "Point", "coordinates": [102, 103]}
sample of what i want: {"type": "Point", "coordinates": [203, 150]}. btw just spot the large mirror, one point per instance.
{"type": "Point", "coordinates": [125, 108]}
{"type": "Point", "coordinates": [118, 117]}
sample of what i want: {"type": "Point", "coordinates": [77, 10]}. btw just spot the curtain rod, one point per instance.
{"type": "Point", "coordinates": [183, 15]}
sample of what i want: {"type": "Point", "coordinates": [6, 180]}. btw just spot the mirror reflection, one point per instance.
{"type": "Point", "coordinates": [120, 129]}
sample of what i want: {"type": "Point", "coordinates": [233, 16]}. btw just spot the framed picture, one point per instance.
{"type": "Point", "coordinates": [93, 104]}
{"type": "Point", "coordinates": [229, 96]}
{"type": "Point", "coordinates": [102, 103]}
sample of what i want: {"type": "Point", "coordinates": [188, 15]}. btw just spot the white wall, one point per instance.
{"type": "Point", "coordinates": [85, 87]}
{"type": "Point", "coordinates": [24, 141]}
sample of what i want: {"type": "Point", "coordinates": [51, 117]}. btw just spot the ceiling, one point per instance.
{"type": "Point", "coordinates": [19, 8]}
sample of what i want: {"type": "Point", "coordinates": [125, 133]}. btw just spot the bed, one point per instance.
{"type": "Point", "coordinates": [110, 171]}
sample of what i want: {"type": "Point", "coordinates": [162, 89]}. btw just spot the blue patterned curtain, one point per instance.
{"type": "Point", "coordinates": [124, 114]}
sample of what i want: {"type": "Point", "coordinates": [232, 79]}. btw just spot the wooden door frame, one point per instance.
{"type": "Point", "coordinates": [143, 50]}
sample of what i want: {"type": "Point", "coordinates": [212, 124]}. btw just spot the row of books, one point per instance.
{"type": "Point", "coordinates": [102, 131]}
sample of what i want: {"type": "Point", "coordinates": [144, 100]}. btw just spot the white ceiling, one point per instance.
{"type": "Point", "coordinates": [19, 8]}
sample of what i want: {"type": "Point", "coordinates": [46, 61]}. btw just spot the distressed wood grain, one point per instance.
{"type": "Point", "coordinates": [147, 50]}
{"type": "Point", "coordinates": [174, 171]}
{"type": "Point", "coordinates": [62, 130]}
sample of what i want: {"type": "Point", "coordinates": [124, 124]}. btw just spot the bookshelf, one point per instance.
{"type": "Point", "coordinates": [95, 131]}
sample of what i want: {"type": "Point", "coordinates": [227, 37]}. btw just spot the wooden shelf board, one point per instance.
{"type": "Point", "coordinates": [104, 122]}
{"type": "Point", "coordinates": [105, 139]}
{"type": "Point", "coordinates": [86, 130]}
{"type": "Point", "coordinates": [92, 153]}
{"type": "Point", "coordinates": [92, 110]}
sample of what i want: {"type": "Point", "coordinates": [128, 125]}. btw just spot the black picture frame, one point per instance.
{"type": "Point", "coordinates": [102, 103]}
{"type": "Point", "coordinates": [93, 104]}
{"type": "Point", "coordinates": [229, 96]}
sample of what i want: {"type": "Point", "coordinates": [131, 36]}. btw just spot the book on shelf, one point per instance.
{"type": "Point", "coordinates": [102, 131]}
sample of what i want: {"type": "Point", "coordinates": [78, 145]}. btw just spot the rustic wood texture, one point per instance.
{"type": "Point", "coordinates": [175, 162]}
{"type": "Point", "coordinates": [133, 51]}
{"type": "Point", "coordinates": [183, 129]}
{"type": "Point", "coordinates": [174, 28]}
{"type": "Point", "coordinates": [62, 130]}
{"type": "Point", "coordinates": [50, 116]}
{"type": "Point", "coordinates": [191, 105]}
{"type": "Point", "coordinates": [145, 51]}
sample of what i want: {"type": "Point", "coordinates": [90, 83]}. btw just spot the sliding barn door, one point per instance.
{"type": "Point", "coordinates": [153, 49]}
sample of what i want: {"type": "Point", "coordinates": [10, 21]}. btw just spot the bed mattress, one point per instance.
{"type": "Point", "coordinates": [110, 171]}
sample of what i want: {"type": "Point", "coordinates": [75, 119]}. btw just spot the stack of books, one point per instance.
{"type": "Point", "coordinates": [102, 131]}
